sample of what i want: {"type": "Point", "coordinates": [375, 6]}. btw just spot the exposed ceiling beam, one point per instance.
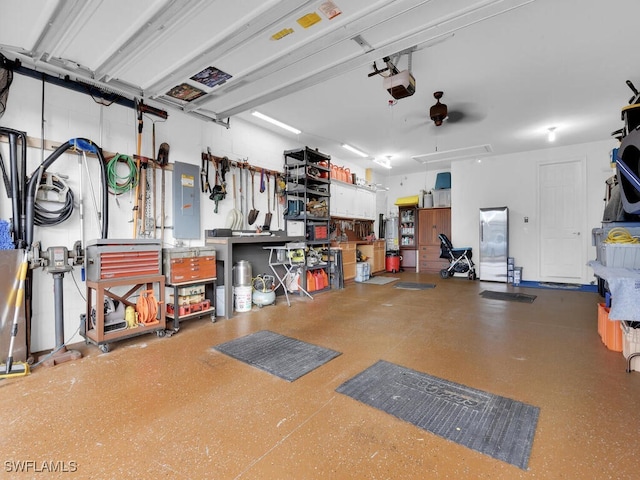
{"type": "Point", "coordinates": [430, 33]}
{"type": "Point", "coordinates": [62, 27]}
{"type": "Point", "coordinates": [375, 14]}
{"type": "Point", "coordinates": [259, 23]}
{"type": "Point", "coordinates": [169, 17]}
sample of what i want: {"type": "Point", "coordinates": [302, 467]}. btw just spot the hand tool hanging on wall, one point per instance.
{"type": "Point", "coordinates": [253, 214]}
{"type": "Point", "coordinates": [153, 216]}
{"type": "Point", "coordinates": [262, 180]}
{"type": "Point", "coordinates": [163, 161]}
{"type": "Point", "coordinates": [235, 214]}
{"type": "Point", "coordinates": [267, 217]}
{"type": "Point", "coordinates": [141, 193]}
{"type": "Point", "coordinates": [205, 186]}
{"type": "Point", "coordinates": [136, 206]}
{"type": "Point", "coordinates": [218, 193]}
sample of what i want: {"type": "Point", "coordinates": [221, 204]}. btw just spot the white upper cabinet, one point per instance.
{"type": "Point", "coordinates": [352, 201]}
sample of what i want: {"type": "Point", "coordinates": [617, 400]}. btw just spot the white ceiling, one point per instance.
{"type": "Point", "coordinates": [514, 68]}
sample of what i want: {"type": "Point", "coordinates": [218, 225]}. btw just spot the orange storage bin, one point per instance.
{"type": "Point", "coordinates": [609, 330]}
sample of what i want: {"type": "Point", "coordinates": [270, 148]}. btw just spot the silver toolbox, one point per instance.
{"type": "Point", "coordinates": [123, 258]}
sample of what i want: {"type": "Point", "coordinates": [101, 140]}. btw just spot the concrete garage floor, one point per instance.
{"type": "Point", "coordinates": [175, 408]}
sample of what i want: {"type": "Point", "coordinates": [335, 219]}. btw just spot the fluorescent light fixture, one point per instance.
{"type": "Point", "coordinates": [354, 150]}
{"type": "Point", "coordinates": [383, 162]}
{"type": "Point", "coordinates": [551, 136]}
{"type": "Point", "coordinates": [276, 122]}
{"type": "Point", "coordinates": [455, 154]}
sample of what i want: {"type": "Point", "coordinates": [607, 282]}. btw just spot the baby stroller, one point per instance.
{"type": "Point", "coordinates": [459, 259]}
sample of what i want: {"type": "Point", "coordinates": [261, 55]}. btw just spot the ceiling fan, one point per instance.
{"type": "Point", "coordinates": [439, 112]}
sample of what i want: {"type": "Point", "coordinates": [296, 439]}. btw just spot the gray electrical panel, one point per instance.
{"type": "Point", "coordinates": [186, 201]}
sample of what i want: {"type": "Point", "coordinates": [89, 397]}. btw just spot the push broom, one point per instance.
{"type": "Point", "coordinates": [18, 369]}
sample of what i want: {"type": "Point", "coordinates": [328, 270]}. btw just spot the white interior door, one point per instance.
{"type": "Point", "coordinates": [562, 197]}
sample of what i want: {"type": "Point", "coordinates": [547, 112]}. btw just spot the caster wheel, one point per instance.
{"type": "Point", "coordinates": [161, 333]}
{"type": "Point", "coordinates": [444, 273]}
{"type": "Point", "coordinates": [213, 319]}
{"type": "Point", "coordinates": [104, 348]}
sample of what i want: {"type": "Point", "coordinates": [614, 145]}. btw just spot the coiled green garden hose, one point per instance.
{"type": "Point", "coordinates": [119, 184]}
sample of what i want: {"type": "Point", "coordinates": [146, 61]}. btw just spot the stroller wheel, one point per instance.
{"type": "Point", "coordinates": [444, 273]}
{"type": "Point", "coordinates": [472, 274]}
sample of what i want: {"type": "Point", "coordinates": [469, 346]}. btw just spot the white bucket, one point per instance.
{"type": "Point", "coordinates": [428, 200]}
{"type": "Point", "coordinates": [243, 298]}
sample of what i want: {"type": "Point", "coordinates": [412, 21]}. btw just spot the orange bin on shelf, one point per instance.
{"type": "Point", "coordinates": [609, 330]}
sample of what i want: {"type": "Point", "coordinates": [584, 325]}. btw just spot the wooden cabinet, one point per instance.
{"type": "Point", "coordinates": [375, 253]}
{"type": "Point", "coordinates": [431, 222]}
{"type": "Point", "coordinates": [379, 256]}
{"type": "Point", "coordinates": [348, 260]}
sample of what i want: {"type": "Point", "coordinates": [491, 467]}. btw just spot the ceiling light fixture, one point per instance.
{"type": "Point", "coordinates": [455, 154]}
{"type": "Point", "coordinates": [383, 162]}
{"type": "Point", "coordinates": [552, 134]}
{"type": "Point", "coordinates": [276, 122]}
{"type": "Point", "coordinates": [354, 150]}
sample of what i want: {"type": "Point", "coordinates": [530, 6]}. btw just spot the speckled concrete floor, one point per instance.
{"type": "Point", "coordinates": [175, 408]}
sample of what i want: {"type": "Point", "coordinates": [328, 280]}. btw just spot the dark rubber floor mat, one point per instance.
{"type": "Point", "coordinates": [490, 424]}
{"type": "Point", "coordinates": [414, 285]}
{"type": "Point", "coordinates": [282, 356]}
{"type": "Point", "coordinates": [508, 296]}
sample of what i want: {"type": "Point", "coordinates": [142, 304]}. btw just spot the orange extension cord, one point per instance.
{"type": "Point", "coordinates": [147, 308]}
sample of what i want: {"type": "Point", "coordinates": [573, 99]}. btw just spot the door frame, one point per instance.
{"type": "Point", "coordinates": [582, 186]}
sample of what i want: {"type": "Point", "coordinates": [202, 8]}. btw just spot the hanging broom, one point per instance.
{"type": "Point", "coordinates": [18, 369]}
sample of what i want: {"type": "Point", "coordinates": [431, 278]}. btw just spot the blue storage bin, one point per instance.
{"type": "Point", "coordinates": [443, 181]}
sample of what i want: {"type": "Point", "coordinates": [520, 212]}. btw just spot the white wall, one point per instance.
{"type": "Point", "coordinates": [511, 180]}
{"type": "Point", "coordinates": [70, 115]}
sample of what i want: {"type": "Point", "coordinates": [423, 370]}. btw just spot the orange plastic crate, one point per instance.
{"type": "Point", "coordinates": [609, 330]}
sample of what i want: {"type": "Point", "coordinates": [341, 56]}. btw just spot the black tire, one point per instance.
{"type": "Point", "coordinates": [444, 273]}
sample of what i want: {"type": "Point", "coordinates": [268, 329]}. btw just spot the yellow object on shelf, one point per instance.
{"type": "Point", "coordinates": [282, 33]}
{"type": "Point", "coordinates": [406, 201]}
{"type": "Point", "coordinates": [309, 19]}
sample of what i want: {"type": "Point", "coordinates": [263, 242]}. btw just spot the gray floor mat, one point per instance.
{"type": "Point", "coordinates": [496, 426]}
{"type": "Point", "coordinates": [380, 280]}
{"type": "Point", "coordinates": [282, 356]}
{"type": "Point", "coordinates": [508, 296]}
{"type": "Point", "coordinates": [414, 285]}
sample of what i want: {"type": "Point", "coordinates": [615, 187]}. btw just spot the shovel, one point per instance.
{"type": "Point", "coordinates": [267, 217]}
{"type": "Point", "coordinates": [238, 223]}
{"type": "Point", "coordinates": [253, 213]}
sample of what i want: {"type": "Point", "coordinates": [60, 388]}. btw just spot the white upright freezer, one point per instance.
{"type": "Point", "coordinates": [494, 244]}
